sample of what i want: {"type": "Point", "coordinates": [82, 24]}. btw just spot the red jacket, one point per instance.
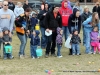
{"type": "Point", "coordinates": [65, 13]}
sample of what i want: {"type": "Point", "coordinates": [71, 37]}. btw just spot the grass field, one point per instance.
{"type": "Point", "coordinates": [30, 66]}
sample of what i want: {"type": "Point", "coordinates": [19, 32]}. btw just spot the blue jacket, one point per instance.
{"type": "Point", "coordinates": [35, 40]}
{"type": "Point", "coordinates": [87, 24]}
{"type": "Point", "coordinates": [34, 21]}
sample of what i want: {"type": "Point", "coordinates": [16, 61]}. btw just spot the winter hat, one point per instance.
{"type": "Point", "coordinates": [5, 29]}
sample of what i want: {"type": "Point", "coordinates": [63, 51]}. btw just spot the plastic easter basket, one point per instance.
{"type": "Point", "coordinates": [37, 27]}
{"type": "Point", "coordinates": [39, 52]}
{"type": "Point", "coordinates": [8, 49]}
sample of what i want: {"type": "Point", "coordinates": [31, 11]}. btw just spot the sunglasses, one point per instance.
{"type": "Point", "coordinates": [5, 5]}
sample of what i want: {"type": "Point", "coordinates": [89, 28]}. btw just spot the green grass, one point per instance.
{"type": "Point", "coordinates": [30, 66]}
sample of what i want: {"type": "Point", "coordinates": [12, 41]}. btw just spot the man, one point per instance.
{"type": "Point", "coordinates": [6, 19]}
{"type": "Point", "coordinates": [26, 5]}
{"type": "Point", "coordinates": [11, 5]}
{"type": "Point", "coordinates": [52, 21]}
{"type": "Point", "coordinates": [65, 12]}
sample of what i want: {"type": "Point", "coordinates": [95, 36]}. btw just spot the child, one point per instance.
{"type": "Point", "coordinates": [34, 21]}
{"type": "Point", "coordinates": [59, 41]}
{"type": "Point", "coordinates": [75, 40]}
{"type": "Point", "coordinates": [35, 41]}
{"type": "Point", "coordinates": [6, 39]}
{"type": "Point", "coordinates": [94, 35]}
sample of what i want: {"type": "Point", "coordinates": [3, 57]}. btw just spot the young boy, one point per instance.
{"type": "Point", "coordinates": [59, 41]}
{"type": "Point", "coordinates": [34, 21]}
{"type": "Point", "coordinates": [35, 41]}
{"type": "Point", "coordinates": [6, 39]}
{"type": "Point", "coordinates": [75, 41]}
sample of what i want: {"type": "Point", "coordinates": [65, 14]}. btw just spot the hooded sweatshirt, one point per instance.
{"type": "Point", "coordinates": [65, 13]}
{"type": "Point", "coordinates": [18, 11]}
{"type": "Point", "coordinates": [11, 6]}
{"type": "Point", "coordinates": [6, 19]}
{"type": "Point", "coordinates": [59, 38]}
{"type": "Point", "coordinates": [74, 21]}
{"type": "Point", "coordinates": [35, 40]}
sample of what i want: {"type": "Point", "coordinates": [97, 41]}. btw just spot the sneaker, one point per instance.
{"type": "Point", "coordinates": [12, 57]}
{"type": "Point", "coordinates": [89, 53]}
{"type": "Point", "coordinates": [73, 54]}
{"type": "Point", "coordinates": [99, 52]}
{"type": "Point", "coordinates": [38, 57]}
{"type": "Point", "coordinates": [21, 56]}
{"type": "Point", "coordinates": [46, 56]}
{"type": "Point", "coordinates": [60, 56]}
{"type": "Point", "coordinates": [94, 53]}
{"type": "Point", "coordinates": [4, 58]}
{"type": "Point", "coordinates": [33, 57]}
{"type": "Point", "coordinates": [53, 55]}
{"type": "Point", "coordinates": [77, 54]}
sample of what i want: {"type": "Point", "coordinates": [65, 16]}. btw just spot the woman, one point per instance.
{"type": "Point", "coordinates": [86, 14]}
{"type": "Point", "coordinates": [96, 8]}
{"type": "Point", "coordinates": [74, 22]}
{"type": "Point", "coordinates": [77, 5]}
{"type": "Point", "coordinates": [22, 28]}
{"type": "Point", "coordinates": [88, 26]}
{"type": "Point", "coordinates": [41, 17]}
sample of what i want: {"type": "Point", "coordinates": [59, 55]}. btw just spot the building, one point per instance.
{"type": "Point", "coordinates": [81, 1]}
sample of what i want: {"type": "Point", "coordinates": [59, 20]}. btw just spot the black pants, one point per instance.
{"type": "Point", "coordinates": [51, 43]}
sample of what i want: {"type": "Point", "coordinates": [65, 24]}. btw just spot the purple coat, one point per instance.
{"type": "Point", "coordinates": [94, 36]}
{"type": "Point", "coordinates": [59, 36]}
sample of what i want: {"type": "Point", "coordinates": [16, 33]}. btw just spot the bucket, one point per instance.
{"type": "Point", "coordinates": [8, 49]}
{"type": "Point", "coordinates": [37, 27]}
{"type": "Point", "coordinates": [39, 52]}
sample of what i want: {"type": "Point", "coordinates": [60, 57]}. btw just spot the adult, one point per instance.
{"type": "Point", "coordinates": [11, 5]}
{"type": "Point", "coordinates": [52, 21]}
{"type": "Point", "coordinates": [23, 22]}
{"type": "Point", "coordinates": [41, 17]}
{"type": "Point", "coordinates": [65, 12]}
{"type": "Point", "coordinates": [78, 6]}
{"type": "Point", "coordinates": [6, 19]}
{"type": "Point", "coordinates": [96, 8]}
{"type": "Point", "coordinates": [26, 5]}
{"type": "Point", "coordinates": [18, 9]}
{"type": "Point", "coordinates": [0, 4]}
{"type": "Point", "coordinates": [74, 22]}
{"type": "Point", "coordinates": [88, 26]}
{"type": "Point", "coordinates": [86, 14]}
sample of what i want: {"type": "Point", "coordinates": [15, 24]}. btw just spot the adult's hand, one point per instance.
{"type": "Point", "coordinates": [1, 34]}
{"type": "Point", "coordinates": [70, 35]}
{"type": "Point", "coordinates": [10, 34]}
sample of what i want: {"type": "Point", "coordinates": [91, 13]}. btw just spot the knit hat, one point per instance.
{"type": "Point", "coordinates": [5, 29]}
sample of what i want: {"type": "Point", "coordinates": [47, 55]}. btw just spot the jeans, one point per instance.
{"type": "Point", "coordinates": [65, 32]}
{"type": "Point", "coordinates": [33, 51]}
{"type": "Point", "coordinates": [43, 38]}
{"type": "Point", "coordinates": [6, 55]}
{"type": "Point", "coordinates": [59, 49]}
{"type": "Point", "coordinates": [23, 39]}
{"type": "Point", "coordinates": [75, 49]}
{"type": "Point", "coordinates": [32, 28]}
{"type": "Point", "coordinates": [84, 37]}
{"type": "Point", "coordinates": [87, 46]}
{"type": "Point", "coordinates": [51, 43]}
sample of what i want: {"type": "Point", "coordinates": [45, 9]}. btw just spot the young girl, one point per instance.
{"type": "Point", "coordinates": [94, 35]}
{"type": "Point", "coordinates": [35, 41]}
{"type": "Point", "coordinates": [59, 40]}
{"type": "Point", "coordinates": [88, 26]}
{"type": "Point", "coordinates": [75, 41]}
{"type": "Point", "coordinates": [6, 39]}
